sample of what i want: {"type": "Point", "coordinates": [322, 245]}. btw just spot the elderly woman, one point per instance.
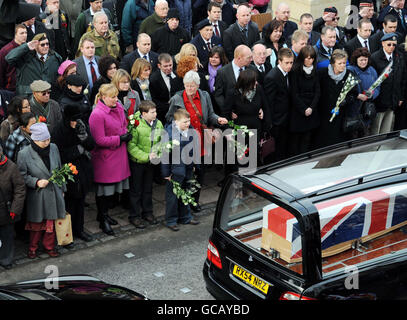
{"type": "Point", "coordinates": [12, 195]}
{"type": "Point", "coordinates": [140, 74]}
{"type": "Point", "coordinates": [186, 64]}
{"type": "Point", "coordinates": [128, 97]}
{"type": "Point", "coordinates": [45, 199]}
{"type": "Point", "coordinates": [198, 104]}
{"type": "Point", "coordinates": [17, 106]}
{"type": "Point", "coordinates": [332, 79]}
{"type": "Point", "coordinates": [108, 126]}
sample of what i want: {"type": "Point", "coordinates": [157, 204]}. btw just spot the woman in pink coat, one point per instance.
{"type": "Point", "coordinates": [108, 126]}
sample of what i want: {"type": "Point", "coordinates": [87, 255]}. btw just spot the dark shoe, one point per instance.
{"type": "Point", "coordinates": [194, 222]}
{"type": "Point", "coordinates": [53, 253]}
{"type": "Point", "coordinates": [173, 228]}
{"type": "Point", "coordinates": [85, 236]}
{"type": "Point", "coordinates": [196, 208]}
{"type": "Point", "coordinates": [7, 266]}
{"type": "Point", "coordinates": [69, 246]}
{"type": "Point", "coordinates": [32, 254]}
{"type": "Point", "coordinates": [151, 219]}
{"type": "Point", "coordinates": [110, 220]}
{"type": "Point", "coordinates": [106, 228]}
{"type": "Point", "coordinates": [138, 223]}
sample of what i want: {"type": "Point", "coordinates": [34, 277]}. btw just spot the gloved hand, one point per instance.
{"type": "Point", "coordinates": [80, 129]}
{"type": "Point", "coordinates": [125, 137]}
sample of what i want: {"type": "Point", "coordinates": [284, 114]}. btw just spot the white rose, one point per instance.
{"type": "Point", "coordinates": [251, 134]}
{"type": "Point", "coordinates": [207, 77]}
{"type": "Point", "coordinates": [168, 145]}
{"type": "Point", "coordinates": [86, 91]}
{"type": "Point", "coordinates": [175, 142]}
{"type": "Point", "coordinates": [143, 87]}
{"type": "Point", "coordinates": [131, 117]}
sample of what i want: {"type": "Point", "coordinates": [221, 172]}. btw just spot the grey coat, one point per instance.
{"type": "Point", "coordinates": [208, 115]}
{"type": "Point", "coordinates": [47, 203]}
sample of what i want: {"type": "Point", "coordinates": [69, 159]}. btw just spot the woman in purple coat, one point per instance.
{"type": "Point", "coordinates": [108, 126]}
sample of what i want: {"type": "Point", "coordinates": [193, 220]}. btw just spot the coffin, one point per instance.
{"type": "Point", "coordinates": [360, 216]}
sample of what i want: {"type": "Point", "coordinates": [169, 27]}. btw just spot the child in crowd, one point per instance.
{"type": "Point", "coordinates": [146, 133]}
{"type": "Point", "coordinates": [180, 169]}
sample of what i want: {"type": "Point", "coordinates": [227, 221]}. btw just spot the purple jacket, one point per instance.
{"type": "Point", "coordinates": [109, 158]}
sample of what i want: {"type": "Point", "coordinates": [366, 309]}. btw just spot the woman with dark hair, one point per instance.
{"type": "Point", "coordinates": [185, 64]}
{"type": "Point", "coordinates": [217, 59]}
{"type": "Point", "coordinates": [305, 94]}
{"type": "Point", "coordinates": [247, 105]}
{"type": "Point", "coordinates": [107, 68]}
{"type": "Point", "coordinates": [360, 65]}
{"type": "Point", "coordinates": [15, 108]}
{"type": "Point", "coordinates": [66, 68]}
{"type": "Point", "coordinates": [273, 40]}
{"type": "Point", "coordinates": [332, 79]}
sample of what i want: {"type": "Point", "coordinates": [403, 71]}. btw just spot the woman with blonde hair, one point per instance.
{"type": "Point", "coordinates": [140, 75]}
{"type": "Point", "coordinates": [111, 169]}
{"type": "Point", "coordinates": [188, 49]}
{"type": "Point", "coordinates": [185, 64]}
{"type": "Point", "coordinates": [128, 97]}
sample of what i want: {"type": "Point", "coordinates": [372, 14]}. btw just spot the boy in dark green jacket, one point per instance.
{"type": "Point", "coordinates": [146, 132]}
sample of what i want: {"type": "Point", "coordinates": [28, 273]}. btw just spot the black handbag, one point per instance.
{"type": "Point", "coordinates": [266, 147]}
{"type": "Point", "coordinates": [351, 124]}
{"type": "Point", "coordinates": [368, 110]}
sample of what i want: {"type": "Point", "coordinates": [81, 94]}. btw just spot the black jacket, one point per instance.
{"type": "Point", "coordinates": [305, 93]}
{"type": "Point", "coordinates": [392, 90]}
{"type": "Point", "coordinates": [354, 43]}
{"type": "Point", "coordinates": [278, 96]}
{"type": "Point", "coordinates": [128, 60]}
{"type": "Point", "coordinates": [165, 40]}
{"type": "Point", "coordinates": [70, 97]}
{"type": "Point", "coordinates": [260, 75]}
{"type": "Point", "coordinates": [234, 37]}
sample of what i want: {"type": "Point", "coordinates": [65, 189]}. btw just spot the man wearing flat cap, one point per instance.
{"type": "Point", "coordinates": [42, 105]}
{"type": "Point", "coordinates": [330, 18]}
{"type": "Point", "coordinates": [33, 61]}
{"type": "Point", "coordinates": [205, 40]}
{"type": "Point", "coordinates": [392, 90]}
{"type": "Point", "coordinates": [170, 38]}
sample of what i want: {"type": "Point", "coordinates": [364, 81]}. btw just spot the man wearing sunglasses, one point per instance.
{"type": "Point", "coordinates": [330, 18]}
{"type": "Point", "coordinates": [392, 90]}
{"type": "Point", "coordinates": [33, 61]}
{"type": "Point", "coordinates": [42, 105]}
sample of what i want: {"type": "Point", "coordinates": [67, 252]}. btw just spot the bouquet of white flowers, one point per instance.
{"type": "Point", "coordinates": [350, 82]}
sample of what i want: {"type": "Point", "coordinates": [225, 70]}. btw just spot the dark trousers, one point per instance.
{"type": "Point", "coordinates": [175, 210]}
{"type": "Point", "coordinates": [300, 142]}
{"type": "Point", "coordinates": [281, 136]}
{"type": "Point", "coordinates": [199, 174]}
{"type": "Point", "coordinates": [7, 244]}
{"type": "Point", "coordinates": [141, 189]}
{"type": "Point", "coordinates": [76, 208]}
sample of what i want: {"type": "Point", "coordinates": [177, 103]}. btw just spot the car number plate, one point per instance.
{"type": "Point", "coordinates": [251, 279]}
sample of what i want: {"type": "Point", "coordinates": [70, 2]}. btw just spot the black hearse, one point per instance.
{"type": "Point", "coordinates": [328, 224]}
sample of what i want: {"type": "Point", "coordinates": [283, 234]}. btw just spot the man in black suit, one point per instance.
{"type": "Point", "coordinates": [389, 26]}
{"type": "Point", "coordinates": [366, 11]}
{"type": "Point", "coordinates": [214, 16]}
{"type": "Point", "coordinates": [36, 27]}
{"type": "Point", "coordinates": [86, 62]}
{"type": "Point", "coordinates": [283, 14]}
{"type": "Point", "coordinates": [305, 24]}
{"type": "Point", "coordinates": [396, 8]}
{"type": "Point", "coordinates": [362, 38]}
{"type": "Point", "coordinates": [227, 75]}
{"type": "Point", "coordinates": [143, 50]}
{"type": "Point", "coordinates": [160, 85]}
{"type": "Point", "coordinates": [276, 87]}
{"type": "Point", "coordinates": [205, 41]}
{"type": "Point", "coordinates": [260, 61]}
{"type": "Point", "coordinates": [242, 32]}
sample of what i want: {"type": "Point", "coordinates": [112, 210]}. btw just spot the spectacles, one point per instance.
{"type": "Point", "coordinates": [44, 44]}
{"type": "Point", "coordinates": [44, 93]}
{"type": "Point", "coordinates": [391, 44]}
{"type": "Point", "coordinates": [336, 18]}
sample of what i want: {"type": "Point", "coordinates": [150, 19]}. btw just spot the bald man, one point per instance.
{"type": "Point", "coordinates": [227, 75]}
{"type": "Point", "coordinates": [143, 50]}
{"type": "Point", "coordinates": [283, 14]}
{"type": "Point", "coordinates": [260, 61]}
{"type": "Point", "coordinates": [243, 31]}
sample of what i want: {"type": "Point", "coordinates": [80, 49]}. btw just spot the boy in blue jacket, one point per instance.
{"type": "Point", "coordinates": [179, 167]}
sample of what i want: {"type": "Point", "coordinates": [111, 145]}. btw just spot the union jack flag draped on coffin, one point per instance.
{"type": "Point", "coordinates": [363, 215]}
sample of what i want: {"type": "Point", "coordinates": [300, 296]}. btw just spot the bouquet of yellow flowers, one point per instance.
{"type": "Point", "coordinates": [58, 175]}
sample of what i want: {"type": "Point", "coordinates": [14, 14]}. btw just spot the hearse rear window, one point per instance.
{"type": "Point", "coordinates": [328, 170]}
{"type": "Point", "coordinates": [364, 226]}
{"type": "Point", "coordinates": [262, 225]}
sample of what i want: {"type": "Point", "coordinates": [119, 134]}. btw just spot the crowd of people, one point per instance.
{"type": "Point", "coordinates": [94, 84]}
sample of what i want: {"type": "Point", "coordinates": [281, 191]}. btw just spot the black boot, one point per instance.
{"type": "Point", "coordinates": [102, 208]}
{"type": "Point", "coordinates": [106, 228]}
